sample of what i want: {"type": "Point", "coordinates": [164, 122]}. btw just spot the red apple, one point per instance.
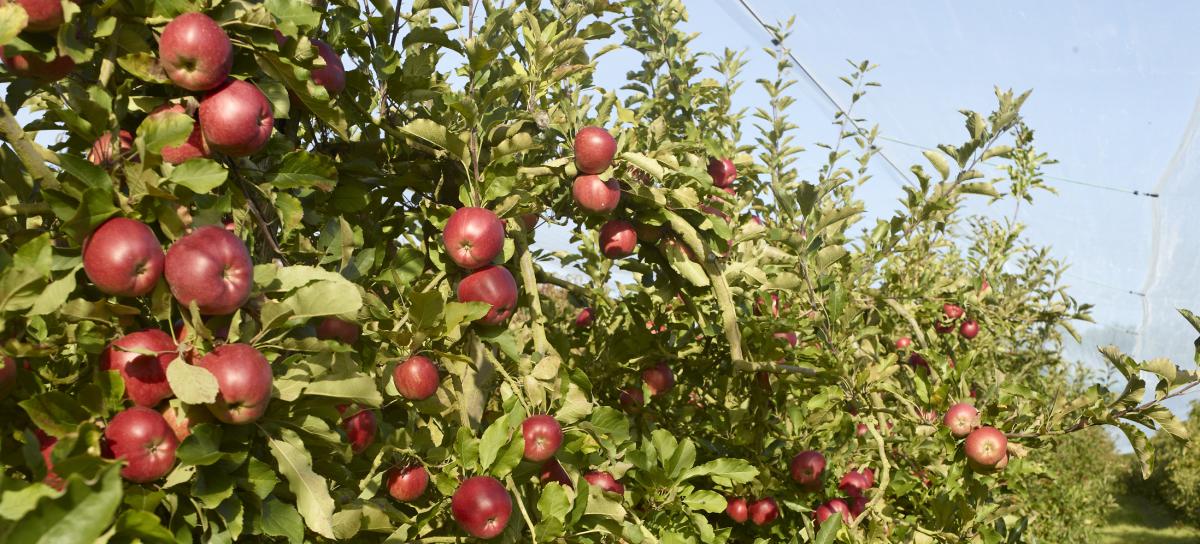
{"type": "Point", "coordinates": [243, 380]}
{"type": "Point", "coordinates": [360, 429]}
{"type": "Point", "coordinates": [596, 195]}
{"type": "Point", "coordinates": [604, 481]}
{"type": "Point", "coordinates": [943, 328]}
{"type": "Point", "coordinates": [860, 429]}
{"type": "Point", "coordinates": [473, 237]}
{"type": "Point", "coordinates": [211, 267]}
{"type": "Point", "coordinates": [952, 311]}
{"type": "Point", "coordinates": [918, 361]}
{"type": "Point", "coordinates": [494, 285]}
{"type": "Point", "coordinates": [1002, 464]}
{"type": "Point", "coordinates": [408, 483]}
{"type": "Point", "coordinates": [833, 506]}
{"type": "Point", "coordinates": [8, 376]}
{"type": "Point", "coordinates": [903, 343]}
{"type": "Point", "coordinates": [969, 329]}
{"type": "Point", "coordinates": [236, 118]}
{"type": "Point", "coordinates": [145, 376]}
{"type": "Point", "coordinates": [858, 505]}
{"type": "Point", "coordinates": [416, 378]}
{"type": "Point", "coordinates": [543, 435]}
{"type": "Point", "coordinates": [102, 149]}
{"type": "Point", "coordinates": [30, 66]}
{"type": "Point", "coordinates": [333, 75]}
{"type": "Point", "coordinates": [46, 447]}
{"type": "Point", "coordinates": [854, 483]}
{"type": "Point", "coordinates": [659, 378]}
{"type": "Point", "coordinates": [193, 148]}
{"type": "Point", "coordinates": [807, 468]}
{"type": "Point", "coordinates": [123, 257]}
{"type": "Point", "coordinates": [195, 52]}
{"type": "Point", "coordinates": [961, 419]}
{"type": "Point", "coordinates": [584, 319]}
{"type": "Point", "coordinates": [594, 150]}
{"type": "Point", "coordinates": [789, 337]}
{"type": "Point", "coordinates": [481, 507]}
{"type": "Point", "coordinates": [181, 418]}
{"type": "Point", "coordinates": [736, 510]}
{"type": "Point", "coordinates": [632, 399]}
{"type": "Point", "coordinates": [552, 471]}
{"type": "Point", "coordinates": [763, 511]}
{"type": "Point", "coordinates": [529, 221]}
{"type": "Point", "coordinates": [143, 439]}
{"type": "Point", "coordinates": [723, 172]}
{"type": "Point", "coordinates": [332, 328]}
{"type": "Point", "coordinates": [44, 15]}
{"type": "Point", "coordinates": [985, 447]}
{"type": "Point", "coordinates": [618, 238]}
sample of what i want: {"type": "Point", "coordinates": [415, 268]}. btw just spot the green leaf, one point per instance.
{"type": "Point", "coordinates": [293, 15]}
{"type": "Point", "coordinates": [706, 500]}
{"type": "Point", "coordinates": [437, 135]}
{"type": "Point", "coordinates": [202, 447]}
{"type": "Point", "coordinates": [282, 519]}
{"type": "Point", "coordinates": [311, 490]}
{"type": "Point", "coordinates": [724, 471]}
{"type": "Point", "coordinates": [199, 175]}
{"type": "Point", "coordinates": [79, 516]}
{"type": "Point", "coordinates": [575, 406]}
{"type": "Point", "coordinates": [360, 389]}
{"type": "Point", "coordinates": [1167, 420]}
{"type": "Point", "coordinates": [192, 384]}
{"type": "Point", "coordinates": [143, 525]}
{"type": "Point", "coordinates": [165, 129]}
{"type": "Point", "coordinates": [55, 295]}
{"type": "Point", "coordinates": [495, 437]}
{"type": "Point", "coordinates": [301, 169]}
{"type": "Point", "coordinates": [325, 298]}
{"type": "Point", "coordinates": [15, 503]}
{"type": "Point", "coordinates": [1143, 449]}
{"type": "Point", "coordinates": [55, 412]}
{"type": "Point", "coordinates": [939, 162]}
{"type": "Point", "coordinates": [646, 164]}
{"type": "Point", "coordinates": [13, 19]}
{"type": "Point", "coordinates": [829, 530]}
{"type": "Point", "coordinates": [144, 66]}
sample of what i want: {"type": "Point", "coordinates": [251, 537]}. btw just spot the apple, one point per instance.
{"type": "Point", "coordinates": [943, 328]}
{"type": "Point", "coordinates": [102, 149]}
{"type": "Point", "coordinates": [473, 237]}
{"type": "Point", "coordinates": [761, 303]}
{"type": "Point", "coordinates": [332, 328]}
{"type": "Point", "coordinates": [918, 361]}
{"type": "Point", "coordinates": [807, 468]}
{"type": "Point", "coordinates": [143, 439]}
{"type": "Point", "coordinates": [789, 337]}
{"type": "Point", "coordinates": [195, 52]}
{"type": "Point", "coordinates": [416, 378]}
{"type": "Point", "coordinates": [961, 419]}
{"type": "Point", "coordinates": [618, 238]}
{"type": "Point", "coordinates": [243, 382]}
{"type": "Point", "coordinates": [860, 429]}
{"type": "Point", "coordinates": [46, 448]}
{"type": "Point", "coordinates": [123, 257]}
{"type": "Point", "coordinates": [408, 483]}
{"type": "Point", "coordinates": [552, 471]}
{"type": "Point", "coordinates": [192, 148]}
{"type": "Point", "coordinates": [596, 195]}
{"type": "Point", "coordinates": [854, 483]}
{"type": "Point", "coordinates": [8, 376]}
{"type": "Point", "coordinates": [632, 399]}
{"type": "Point", "coordinates": [903, 343]}
{"type": "Point", "coordinates": [648, 233]}
{"type": "Point", "coordinates": [529, 221]}
{"type": "Point", "coordinates": [361, 428]}
{"type": "Point", "coordinates": [481, 507]}
{"type": "Point", "coordinates": [969, 329]}
{"type": "Point", "coordinates": [181, 418]}
{"type": "Point", "coordinates": [211, 267]}
{"type": "Point", "coordinates": [659, 378]}
{"type": "Point", "coordinates": [494, 285]}
{"type": "Point", "coordinates": [30, 66]}
{"type": "Point", "coordinates": [858, 505]}
{"type": "Point", "coordinates": [236, 118]}
{"type": "Point", "coordinates": [831, 507]}
{"type": "Point", "coordinates": [985, 447]}
{"type": "Point", "coordinates": [763, 511]}
{"type": "Point", "coordinates": [723, 172]}
{"type": "Point", "coordinates": [585, 318]}
{"type": "Point", "coordinates": [952, 311]}
{"type": "Point", "coordinates": [44, 15]}
{"type": "Point", "coordinates": [869, 474]}
{"type": "Point", "coordinates": [145, 376]}
{"type": "Point", "coordinates": [594, 150]}
{"type": "Point", "coordinates": [736, 510]}
{"type": "Point", "coordinates": [332, 76]}
{"type": "Point", "coordinates": [604, 481]}
{"type": "Point", "coordinates": [1002, 463]}
{"type": "Point", "coordinates": [543, 436]}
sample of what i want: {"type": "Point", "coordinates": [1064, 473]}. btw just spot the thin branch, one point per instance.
{"type": "Point", "coordinates": [28, 151]}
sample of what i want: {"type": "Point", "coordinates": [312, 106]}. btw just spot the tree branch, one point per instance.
{"type": "Point", "coordinates": [28, 151]}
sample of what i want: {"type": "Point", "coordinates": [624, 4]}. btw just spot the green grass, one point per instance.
{"type": "Point", "coordinates": [1139, 521]}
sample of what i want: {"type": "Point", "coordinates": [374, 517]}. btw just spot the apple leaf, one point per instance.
{"type": "Point", "coordinates": [575, 406]}
{"type": "Point", "coordinates": [325, 298]}
{"type": "Point", "coordinates": [293, 15]}
{"type": "Point", "coordinates": [494, 438]}
{"type": "Point", "coordinates": [15, 503]}
{"type": "Point", "coordinates": [143, 525]}
{"type": "Point", "coordinates": [202, 447]}
{"type": "Point", "coordinates": [192, 384]}
{"type": "Point", "coordinates": [165, 129]}
{"type": "Point", "coordinates": [646, 164]}
{"type": "Point", "coordinates": [311, 490]}
{"type": "Point", "coordinates": [199, 175]}
{"type": "Point", "coordinates": [705, 500]}
{"type": "Point", "coordinates": [281, 519]}
{"type": "Point", "coordinates": [55, 295]}
{"type": "Point", "coordinates": [79, 516]}
{"type": "Point", "coordinates": [13, 19]}
{"type": "Point", "coordinates": [360, 389]}
{"type": "Point", "coordinates": [553, 507]}
{"type": "Point", "coordinates": [144, 66]}
{"type": "Point", "coordinates": [829, 530]}
{"type": "Point", "coordinates": [724, 471]}
{"type": "Point", "coordinates": [55, 412]}
{"type": "Point", "coordinates": [301, 169]}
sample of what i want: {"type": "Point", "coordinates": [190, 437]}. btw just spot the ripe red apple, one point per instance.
{"type": "Point", "coordinates": [481, 507]}
{"type": "Point", "coordinates": [332, 328]}
{"type": "Point", "coordinates": [833, 506]}
{"type": "Point", "coordinates": [143, 439]}
{"type": "Point", "coordinates": [789, 337]}
{"type": "Point", "coordinates": [584, 319]}
{"type": "Point", "coordinates": [952, 311]}
{"type": "Point", "coordinates": [193, 148]}
{"type": "Point", "coordinates": [763, 511]}
{"type": "Point", "coordinates": [360, 428]}
{"type": "Point", "coordinates": [860, 429]}
{"type": "Point", "coordinates": [552, 471]}
{"type": "Point", "coordinates": [543, 435]}
{"type": "Point", "coordinates": [529, 221]}
{"type": "Point", "coordinates": [243, 380]}
{"type": "Point", "coordinates": [236, 118]}
{"type": "Point", "coordinates": [854, 483]}
{"type": "Point", "coordinates": [211, 267]}
{"type": "Point", "coordinates": [596, 195]}
{"type": "Point", "coordinates": [181, 418]}
{"type": "Point", "coordinates": [807, 468]}
{"type": "Point", "coordinates": [736, 510]}
{"type": "Point", "coordinates": [494, 285]}
{"type": "Point", "coordinates": [8, 376]}
{"type": "Point", "coordinates": [659, 378]}
{"type": "Point", "coordinates": [46, 447]}
{"type": "Point", "coordinates": [473, 237]}
{"type": "Point", "coordinates": [102, 149]}
{"type": "Point", "coordinates": [333, 75]}
{"type": "Point", "coordinates": [985, 447]}
{"type": "Point", "coordinates": [969, 329]}
{"type": "Point", "coordinates": [29, 66]}
{"type": "Point", "coordinates": [44, 15]}
{"type": "Point", "coordinates": [408, 483]}
{"type": "Point", "coordinates": [594, 150]}
{"type": "Point", "coordinates": [145, 376]}
{"type": "Point", "coordinates": [943, 328]}
{"type": "Point", "coordinates": [918, 361]}
{"type": "Point", "coordinates": [723, 172]}
{"type": "Point", "coordinates": [604, 481]}
{"type": "Point", "coordinates": [961, 419]}
{"type": "Point", "coordinates": [618, 238]}
{"type": "Point", "coordinates": [416, 378]}
{"type": "Point", "coordinates": [1002, 464]}
{"type": "Point", "coordinates": [869, 474]}
{"type": "Point", "coordinates": [903, 343]}
{"type": "Point", "coordinates": [195, 52]}
{"type": "Point", "coordinates": [632, 399]}
{"type": "Point", "coordinates": [123, 257]}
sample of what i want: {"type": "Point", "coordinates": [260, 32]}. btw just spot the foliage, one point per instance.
{"type": "Point", "coordinates": [1174, 482]}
